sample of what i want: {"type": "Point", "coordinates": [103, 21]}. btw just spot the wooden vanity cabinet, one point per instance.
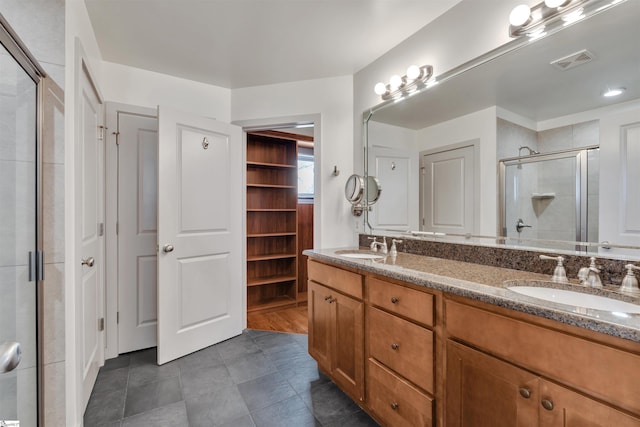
{"type": "Point", "coordinates": [523, 374]}
{"type": "Point", "coordinates": [336, 326]}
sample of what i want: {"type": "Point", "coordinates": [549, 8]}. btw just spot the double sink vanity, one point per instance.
{"type": "Point", "coordinates": [422, 340]}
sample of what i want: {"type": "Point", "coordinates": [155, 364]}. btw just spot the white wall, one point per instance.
{"type": "Point", "coordinates": [134, 86]}
{"type": "Point", "coordinates": [332, 100]}
{"type": "Point", "coordinates": [479, 125]}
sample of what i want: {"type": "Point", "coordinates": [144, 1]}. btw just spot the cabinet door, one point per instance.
{"type": "Point", "coordinates": [561, 407]}
{"type": "Point", "coordinates": [483, 391]}
{"type": "Point", "coordinates": [319, 312]}
{"type": "Point", "coordinates": [348, 347]}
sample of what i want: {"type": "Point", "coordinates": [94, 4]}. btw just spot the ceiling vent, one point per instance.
{"type": "Point", "coordinates": [573, 60]}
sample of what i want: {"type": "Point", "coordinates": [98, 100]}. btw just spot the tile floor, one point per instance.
{"type": "Point", "coordinates": [256, 379]}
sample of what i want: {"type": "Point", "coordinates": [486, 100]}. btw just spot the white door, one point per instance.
{"type": "Point", "coordinates": [448, 191]}
{"type": "Point", "coordinates": [200, 233]}
{"type": "Point", "coordinates": [137, 231]}
{"type": "Point", "coordinates": [90, 218]}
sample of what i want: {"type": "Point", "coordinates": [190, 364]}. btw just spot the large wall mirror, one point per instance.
{"type": "Point", "coordinates": [524, 146]}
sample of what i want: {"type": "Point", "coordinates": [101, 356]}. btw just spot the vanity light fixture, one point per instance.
{"type": "Point", "coordinates": [535, 22]}
{"type": "Point", "coordinates": [614, 92]}
{"type": "Point", "coordinates": [401, 86]}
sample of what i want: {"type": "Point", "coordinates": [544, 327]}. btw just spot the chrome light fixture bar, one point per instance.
{"type": "Point", "coordinates": [401, 86]}
{"type": "Point", "coordinates": [538, 20]}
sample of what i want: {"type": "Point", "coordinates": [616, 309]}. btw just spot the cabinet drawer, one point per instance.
{"type": "Point", "coordinates": [336, 278]}
{"type": "Point", "coordinates": [407, 302]}
{"type": "Point", "coordinates": [607, 373]}
{"type": "Point", "coordinates": [394, 401]}
{"type": "Point", "coordinates": [402, 346]}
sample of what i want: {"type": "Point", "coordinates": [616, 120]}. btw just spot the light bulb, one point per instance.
{"type": "Point", "coordinates": [413, 72]}
{"type": "Point", "coordinates": [552, 4]}
{"type": "Point", "coordinates": [614, 92]}
{"type": "Point", "coordinates": [395, 82]}
{"type": "Point", "coordinates": [380, 88]}
{"type": "Point", "coordinates": [519, 15]}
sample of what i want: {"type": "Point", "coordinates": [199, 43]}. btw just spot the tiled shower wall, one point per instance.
{"type": "Point", "coordinates": [40, 24]}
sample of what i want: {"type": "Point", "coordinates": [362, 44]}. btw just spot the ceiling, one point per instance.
{"type": "Point", "coordinates": [524, 82]}
{"type": "Point", "coordinates": [241, 43]}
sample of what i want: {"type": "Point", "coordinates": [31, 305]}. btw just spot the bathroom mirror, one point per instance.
{"type": "Point", "coordinates": [545, 94]}
{"type": "Point", "coordinates": [361, 193]}
{"type": "Point", "coordinates": [354, 189]}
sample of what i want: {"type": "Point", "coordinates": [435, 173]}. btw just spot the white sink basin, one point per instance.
{"type": "Point", "coordinates": [361, 255]}
{"type": "Point", "coordinates": [576, 299]}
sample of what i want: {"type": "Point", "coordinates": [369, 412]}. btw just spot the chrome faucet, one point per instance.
{"type": "Point", "coordinates": [590, 276]}
{"type": "Point", "coordinates": [559, 273]}
{"type": "Point", "coordinates": [375, 245]}
{"type": "Point", "coordinates": [394, 250]}
{"type": "Point", "coordinates": [630, 283]}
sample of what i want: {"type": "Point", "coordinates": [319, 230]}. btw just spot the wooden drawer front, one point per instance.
{"type": "Point", "coordinates": [336, 278]}
{"type": "Point", "coordinates": [604, 372]}
{"type": "Point", "coordinates": [407, 302]}
{"type": "Point", "coordinates": [403, 346]}
{"type": "Point", "coordinates": [394, 401]}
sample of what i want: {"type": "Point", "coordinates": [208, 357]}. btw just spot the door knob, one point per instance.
{"type": "Point", "coordinates": [167, 248]}
{"type": "Point", "coordinates": [89, 262]}
{"type": "Point", "coordinates": [10, 355]}
{"type": "Point", "coordinates": [547, 404]}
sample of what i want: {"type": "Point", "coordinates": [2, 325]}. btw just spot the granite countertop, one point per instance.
{"type": "Point", "coordinates": [486, 284]}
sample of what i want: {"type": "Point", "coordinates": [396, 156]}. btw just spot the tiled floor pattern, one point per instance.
{"type": "Point", "coordinates": [256, 379]}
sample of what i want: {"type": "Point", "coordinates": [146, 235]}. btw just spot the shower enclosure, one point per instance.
{"type": "Point", "coordinates": [20, 256]}
{"type": "Point", "coordinates": [551, 196]}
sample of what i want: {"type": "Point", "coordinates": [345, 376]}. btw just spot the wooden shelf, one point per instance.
{"type": "Point", "coordinates": [293, 233]}
{"type": "Point", "coordinates": [271, 210]}
{"type": "Point", "coordinates": [288, 187]}
{"type": "Point", "coordinates": [271, 165]}
{"type": "Point", "coordinates": [269, 257]}
{"type": "Point", "coordinates": [260, 281]}
{"type": "Point", "coordinates": [269, 304]}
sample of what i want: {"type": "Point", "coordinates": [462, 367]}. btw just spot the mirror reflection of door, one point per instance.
{"type": "Point", "coordinates": [448, 196]}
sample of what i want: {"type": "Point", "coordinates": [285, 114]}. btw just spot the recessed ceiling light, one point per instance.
{"type": "Point", "coordinates": [614, 92]}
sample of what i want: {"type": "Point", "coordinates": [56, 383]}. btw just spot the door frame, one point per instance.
{"type": "Point", "coordinates": [73, 268]}
{"type": "Point", "coordinates": [289, 122]}
{"type": "Point", "coordinates": [111, 219]}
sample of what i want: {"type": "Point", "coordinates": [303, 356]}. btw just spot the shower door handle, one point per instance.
{"type": "Point", "coordinates": [10, 355]}
{"type": "Point", "coordinates": [520, 225]}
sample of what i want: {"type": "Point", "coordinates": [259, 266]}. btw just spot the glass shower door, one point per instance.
{"type": "Point", "coordinates": [18, 235]}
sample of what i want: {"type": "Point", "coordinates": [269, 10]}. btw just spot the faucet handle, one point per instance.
{"type": "Point", "coordinates": [630, 283]}
{"type": "Point", "coordinates": [373, 246]}
{"type": "Point", "coordinates": [394, 250]}
{"type": "Point", "coordinates": [559, 273]}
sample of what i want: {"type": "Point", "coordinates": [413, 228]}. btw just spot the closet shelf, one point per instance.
{"type": "Point", "coordinates": [271, 186]}
{"type": "Point", "coordinates": [269, 257]}
{"type": "Point", "coordinates": [260, 281]}
{"type": "Point", "coordinates": [271, 165]}
{"type": "Point", "coordinates": [292, 233]}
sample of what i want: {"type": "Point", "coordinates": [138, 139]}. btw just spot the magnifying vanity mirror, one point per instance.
{"type": "Point", "coordinates": [362, 194]}
{"type": "Point", "coordinates": [528, 113]}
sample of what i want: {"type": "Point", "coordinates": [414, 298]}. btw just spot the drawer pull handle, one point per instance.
{"type": "Point", "coordinates": [395, 346]}
{"type": "Point", "coordinates": [394, 300]}
{"type": "Point", "coordinates": [525, 392]}
{"type": "Point", "coordinates": [327, 298]}
{"type": "Point", "coordinates": [547, 404]}
{"type": "Point", "coordinates": [394, 406]}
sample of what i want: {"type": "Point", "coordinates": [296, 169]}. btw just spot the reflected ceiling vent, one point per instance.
{"type": "Point", "coordinates": [573, 60]}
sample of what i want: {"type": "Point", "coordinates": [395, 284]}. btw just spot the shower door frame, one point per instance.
{"type": "Point", "coordinates": [18, 50]}
{"type": "Point", "coordinates": [580, 154]}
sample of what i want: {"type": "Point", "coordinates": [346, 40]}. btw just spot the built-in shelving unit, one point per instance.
{"type": "Point", "coordinates": [272, 197]}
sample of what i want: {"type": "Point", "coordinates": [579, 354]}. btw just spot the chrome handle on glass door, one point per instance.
{"type": "Point", "coordinates": [10, 355]}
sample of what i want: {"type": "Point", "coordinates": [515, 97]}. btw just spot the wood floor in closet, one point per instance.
{"type": "Point", "coordinates": [292, 320]}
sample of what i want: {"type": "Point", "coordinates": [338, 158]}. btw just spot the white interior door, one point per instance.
{"type": "Point", "coordinates": [200, 233]}
{"type": "Point", "coordinates": [448, 191]}
{"type": "Point", "coordinates": [137, 231]}
{"type": "Point", "coordinates": [91, 245]}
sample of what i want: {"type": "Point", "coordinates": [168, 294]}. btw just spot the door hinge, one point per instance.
{"type": "Point", "coordinates": [101, 229]}
{"type": "Point", "coordinates": [423, 221]}
{"type": "Point", "coordinates": [117, 228]}
{"type": "Point", "coordinates": [36, 266]}
{"type": "Point", "coordinates": [117, 317]}
{"type": "Point", "coordinates": [101, 130]}
{"type": "Point", "coordinates": [117, 134]}
{"type": "Point", "coordinates": [101, 324]}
